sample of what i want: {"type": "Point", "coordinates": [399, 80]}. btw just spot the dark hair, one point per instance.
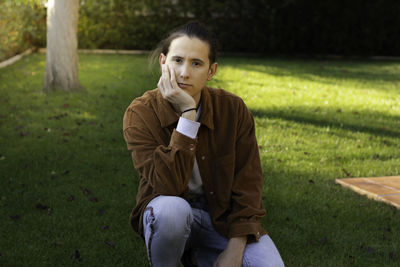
{"type": "Point", "coordinates": [190, 29]}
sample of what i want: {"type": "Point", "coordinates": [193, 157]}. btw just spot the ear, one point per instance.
{"type": "Point", "coordinates": [212, 71]}
{"type": "Point", "coordinates": [162, 59]}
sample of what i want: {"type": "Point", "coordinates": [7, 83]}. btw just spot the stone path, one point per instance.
{"type": "Point", "coordinates": [14, 59]}
{"type": "Point", "coordinates": [386, 189]}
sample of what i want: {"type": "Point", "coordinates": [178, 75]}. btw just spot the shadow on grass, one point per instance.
{"type": "Point", "coordinates": [371, 122]}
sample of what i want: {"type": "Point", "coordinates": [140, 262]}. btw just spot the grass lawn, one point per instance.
{"type": "Point", "coordinates": [67, 184]}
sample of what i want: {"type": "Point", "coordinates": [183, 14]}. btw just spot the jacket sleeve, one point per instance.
{"type": "Point", "coordinates": [247, 208]}
{"type": "Point", "coordinates": [167, 168]}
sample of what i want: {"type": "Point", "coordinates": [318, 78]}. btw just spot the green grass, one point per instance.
{"type": "Point", "coordinates": [67, 183]}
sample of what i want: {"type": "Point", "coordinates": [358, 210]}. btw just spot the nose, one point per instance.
{"type": "Point", "coordinates": [185, 71]}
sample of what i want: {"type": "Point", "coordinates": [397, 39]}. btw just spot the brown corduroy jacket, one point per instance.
{"type": "Point", "coordinates": [226, 151]}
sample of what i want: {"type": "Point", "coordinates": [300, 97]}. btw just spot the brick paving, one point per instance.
{"type": "Point", "coordinates": [386, 189]}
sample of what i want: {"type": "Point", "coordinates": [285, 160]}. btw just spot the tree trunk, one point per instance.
{"type": "Point", "coordinates": [62, 46]}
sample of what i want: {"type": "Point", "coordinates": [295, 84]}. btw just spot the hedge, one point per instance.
{"type": "Point", "coordinates": [358, 27]}
{"type": "Point", "coordinates": [21, 26]}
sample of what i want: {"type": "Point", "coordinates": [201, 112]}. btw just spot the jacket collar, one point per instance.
{"type": "Point", "coordinates": [168, 116]}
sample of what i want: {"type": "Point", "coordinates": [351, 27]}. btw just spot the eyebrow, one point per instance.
{"type": "Point", "coordinates": [193, 59]}
{"type": "Point", "coordinates": [198, 59]}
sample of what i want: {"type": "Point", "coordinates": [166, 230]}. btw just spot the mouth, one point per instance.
{"type": "Point", "coordinates": [184, 85]}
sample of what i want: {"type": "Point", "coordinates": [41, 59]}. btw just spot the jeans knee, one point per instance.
{"type": "Point", "coordinates": [262, 253]}
{"type": "Point", "coordinates": [172, 216]}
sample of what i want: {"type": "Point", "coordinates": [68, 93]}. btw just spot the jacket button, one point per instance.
{"type": "Point", "coordinates": [211, 193]}
{"type": "Point", "coordinates": [191, 147]}
{"type": "Point", "coordinates": [203, 157]}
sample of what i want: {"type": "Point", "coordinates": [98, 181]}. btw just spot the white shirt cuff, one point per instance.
{"type": "Point", "coordinates": [188, 127]}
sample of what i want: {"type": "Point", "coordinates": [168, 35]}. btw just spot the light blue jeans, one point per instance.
{"type": "Point", "coordinates": [172, 225]}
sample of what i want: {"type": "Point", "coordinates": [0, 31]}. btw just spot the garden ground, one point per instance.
{"type": "Point", "coordinates": [67, 182]}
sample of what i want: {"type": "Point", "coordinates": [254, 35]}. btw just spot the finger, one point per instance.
{"type": "Point", "coordinates": [168, 78]}
{"type": "Point", "coordinates": [173, 78]}
{"type": "Point", "coordinates": [160, 86]}
{"type": "Point", "coordinates": [164, 74]}
{"type": "Point", "coordinates": [167, 71]}
{"type": "Point", "coordinates": [161, 82]}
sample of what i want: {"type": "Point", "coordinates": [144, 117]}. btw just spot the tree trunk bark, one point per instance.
{"type": "Point", "coordinates": [62, 46]}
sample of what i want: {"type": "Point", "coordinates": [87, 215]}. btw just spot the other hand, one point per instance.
{"type": "Point", "coordinates": [228, 259]}
{"type": "Point", "coordinates": [233, 254]}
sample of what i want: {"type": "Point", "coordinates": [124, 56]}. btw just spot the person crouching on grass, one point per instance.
{"type": "Point", "coordinates": [194, 147]}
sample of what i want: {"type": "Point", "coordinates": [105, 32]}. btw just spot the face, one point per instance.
{"type": "Point", "coordinates": [189, 58]}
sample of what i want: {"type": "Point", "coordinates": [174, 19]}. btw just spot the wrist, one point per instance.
{"type": "Point", "coordinates": [189, 109]}
{"type": "Point", "coordinates": [190, 115]}
{"type": "Point", "coordinates": [186, 107]}
{"type": "Point", "coordinates": [238, 243]}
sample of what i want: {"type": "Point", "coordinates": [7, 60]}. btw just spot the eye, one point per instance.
{"type": "Point", "coordinates": [178, 60]}
{"type": "Point", "coordinates": [196, 64]}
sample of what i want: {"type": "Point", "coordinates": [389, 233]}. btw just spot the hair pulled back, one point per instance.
{"type": "Point", "coordinates": [190, 29]}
